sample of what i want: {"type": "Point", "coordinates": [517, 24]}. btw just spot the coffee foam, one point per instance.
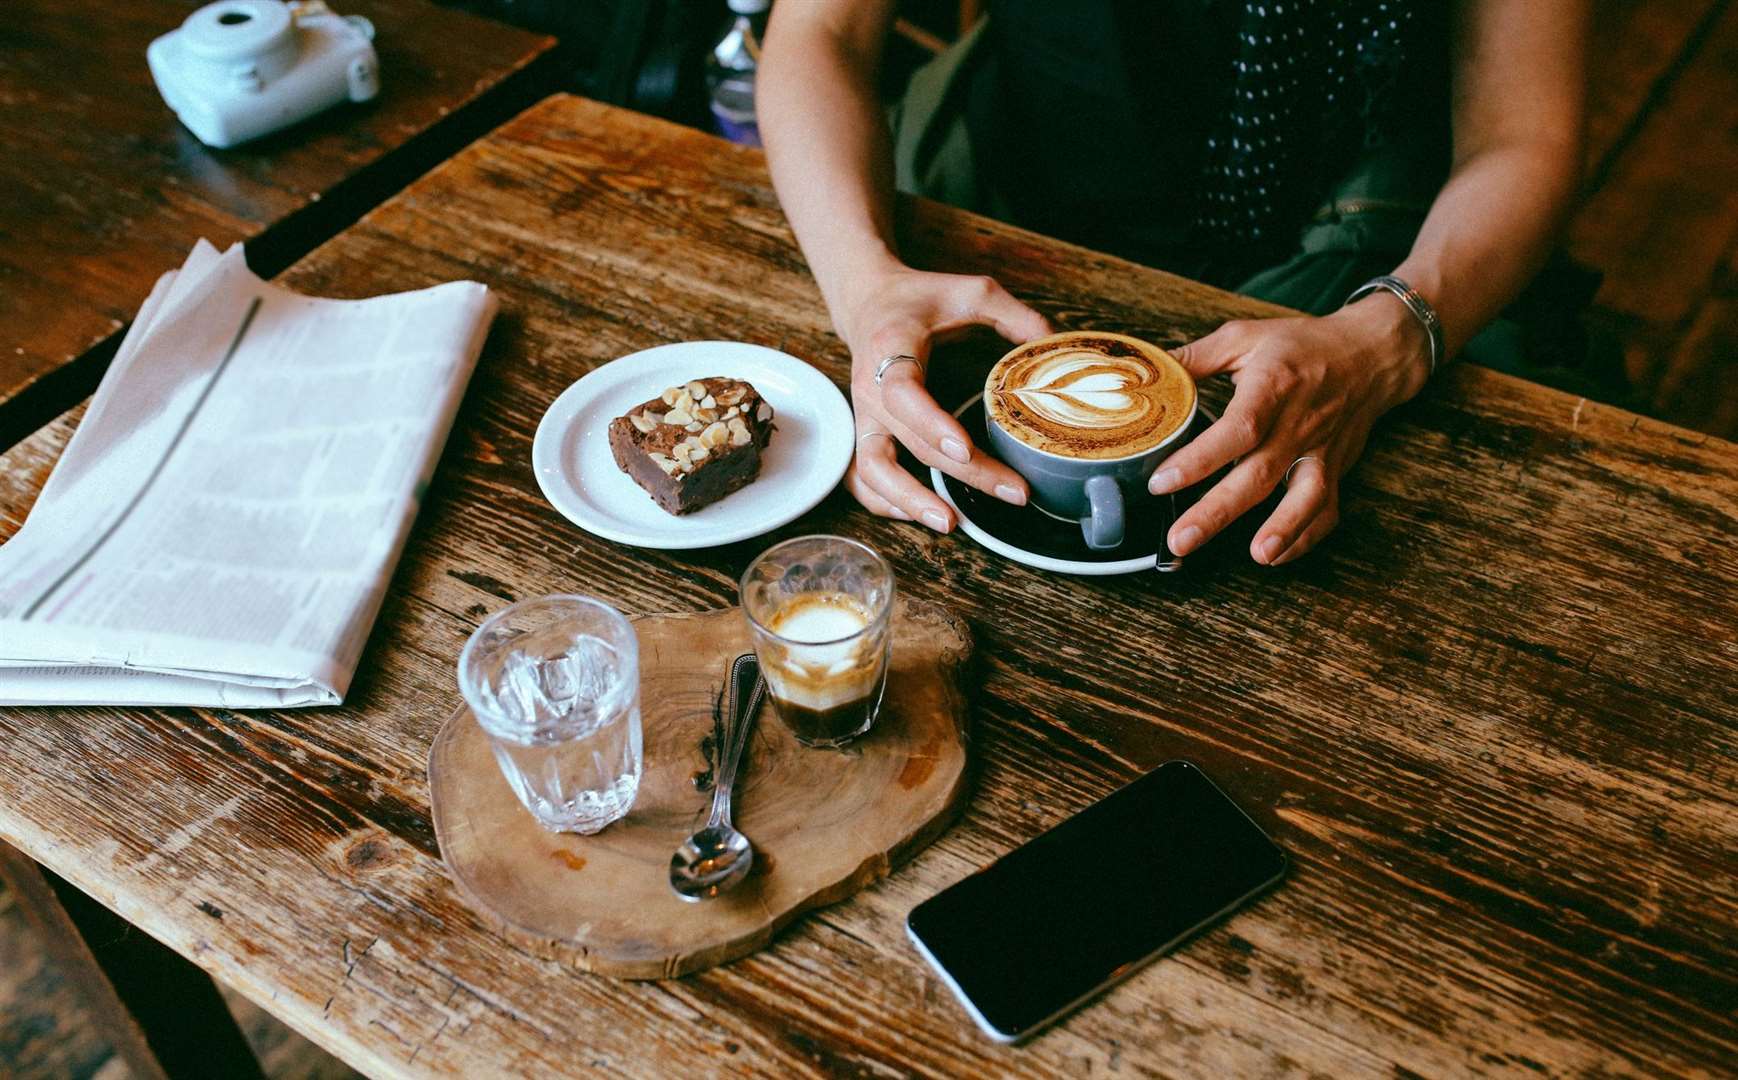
{"type": "Point", "coordinates": [811, 666]}
{"type": "Point", "coordinates": [819, 616]}
{"type": "Point", "coordinates": [1089, 394]}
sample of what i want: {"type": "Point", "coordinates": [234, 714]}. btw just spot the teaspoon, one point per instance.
{"type": "Point", "coordinates": [718, 856]}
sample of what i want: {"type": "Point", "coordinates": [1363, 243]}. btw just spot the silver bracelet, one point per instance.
{"type": "Point", "coordinates": [1415, 303]}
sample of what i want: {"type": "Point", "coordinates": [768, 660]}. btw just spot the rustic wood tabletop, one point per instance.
{"type": "Point", "coordinates": [102, 189]}
{"type": "Point", "coordinates": [1492, 718]}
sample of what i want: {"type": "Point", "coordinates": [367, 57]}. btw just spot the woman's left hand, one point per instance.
{"type": "Point", "coordinates": [1308, 391]}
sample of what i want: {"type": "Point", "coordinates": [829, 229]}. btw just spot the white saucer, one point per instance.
{"type": "Point", "coordinates": [808, 455]}
{"type": "Point", "coordinates": [1028, 535]}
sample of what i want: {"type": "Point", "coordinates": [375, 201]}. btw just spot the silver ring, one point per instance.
{"type": "Point", "coordinates": [885, 434]}
{"type": "Point", "coordinates": [889, 361]}
{"type": "Point", "coordinates": [1300, 461]}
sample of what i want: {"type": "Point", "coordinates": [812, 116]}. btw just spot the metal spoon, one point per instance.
{"type": "Point", "coordinates": [718, 856]}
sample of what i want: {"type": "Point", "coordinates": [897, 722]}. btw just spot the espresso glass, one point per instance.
{"type": "Point", "coordinates": [826, 687]}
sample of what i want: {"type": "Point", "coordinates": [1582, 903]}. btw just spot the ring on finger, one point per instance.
{"type": "Point", "coordinates": [888, 435]}
{"type": "Point", "coordinates": [1295, 464]}
{"type": "Point", "coordinates": [889, 361]}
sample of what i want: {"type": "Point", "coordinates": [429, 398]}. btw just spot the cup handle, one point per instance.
{"type": "Point", "coordinates": [1103, 525]}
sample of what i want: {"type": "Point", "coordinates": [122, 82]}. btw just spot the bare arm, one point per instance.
{"type": "Point", "coordinates": [1313, 387]}
{"type": "Point", "coordinates": [1519, 118]}
{"type": "Point", "coordinates": [828, 148]}
{"type": "Point", "coordinates": [826, 138]}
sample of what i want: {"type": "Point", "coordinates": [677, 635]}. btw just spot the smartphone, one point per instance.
{"type": "Point", "coordinates": [1054, 922]}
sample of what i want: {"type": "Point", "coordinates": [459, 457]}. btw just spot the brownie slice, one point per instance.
{"type": "Point", "coordinates": [695, 443]}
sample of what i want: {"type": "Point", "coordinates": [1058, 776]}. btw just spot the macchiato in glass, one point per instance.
{"type": "Point", "coordinates": [820, 609]}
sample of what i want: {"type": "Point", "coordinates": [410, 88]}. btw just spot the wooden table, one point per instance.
{"type": "Point", "coordinates": [1492, 719]}
{"type": "Point", "coordinates": [102, 189]}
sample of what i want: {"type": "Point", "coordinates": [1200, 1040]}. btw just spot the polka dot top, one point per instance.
{"type": "Point", "coordinates": [1150, 128]}
{"type": "Point", "coordinates": [1308, 74]}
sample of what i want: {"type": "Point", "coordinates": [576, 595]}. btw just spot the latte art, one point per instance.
{"type": "Point", "coordinates": [1089, 395]}
{"type": "Point", "coordinates": [1080, 389]}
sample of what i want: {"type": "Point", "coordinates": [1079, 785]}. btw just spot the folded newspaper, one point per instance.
{"type": "Point", "coordinates": [221, 527]}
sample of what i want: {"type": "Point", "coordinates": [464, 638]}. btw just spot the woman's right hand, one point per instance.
{"type": "Point", "coordinates": [903, 312]}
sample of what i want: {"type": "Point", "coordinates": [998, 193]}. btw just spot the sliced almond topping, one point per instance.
{"type": "Point", "coordinates": [731, 396]}
{"type": "Point", "coordinates": [665, 462]}
{"type": "Point", "coordinates": [732, 411]}
{"type": "Point", "coordinates": [696, 390]}
{"type": "Point", "coordinates": [641, 424]}
{"type": "Point", "coordinates": [705, 416]}
{"type": "Point", "coordinates": [682, 450]}
{"type": "Point", "coordinates": [678, 417]}
{"type": "Point", "coordinates": [669, 395]}
{"type": "Point", "coordinates": [709, 402]}
{"type": "Point", "coordinates": [655, 417]}
{"type": "Point", "coordinates": [700, 454]}
{"type": "Point", "coordinates": [695, 426]}
{"type": "Point", "coordinates": [739, 435]}
{"type": "Point", "coordinates": [764, 413]}
{"type": "Point", "coordinates": [715, 435]}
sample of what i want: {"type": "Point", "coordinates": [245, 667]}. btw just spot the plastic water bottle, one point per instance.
{"type": "Point", "coordinates": [730, 72]}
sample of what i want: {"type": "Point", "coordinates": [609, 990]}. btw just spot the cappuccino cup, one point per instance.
{"type": "Point", "coordinates": [1086, 417]}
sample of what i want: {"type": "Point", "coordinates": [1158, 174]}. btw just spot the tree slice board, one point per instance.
{"type": "Point", "coordinates": [825, 823]}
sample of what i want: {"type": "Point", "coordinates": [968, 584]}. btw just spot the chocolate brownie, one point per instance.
{"type": "Point", "coordinates": [695, 443]}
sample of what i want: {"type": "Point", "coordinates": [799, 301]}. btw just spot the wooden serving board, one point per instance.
{"type": "Point", "coordinates": [825, 823]}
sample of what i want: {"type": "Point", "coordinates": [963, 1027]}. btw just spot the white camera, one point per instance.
{"type": "Point", "coordinates": [239, 69]}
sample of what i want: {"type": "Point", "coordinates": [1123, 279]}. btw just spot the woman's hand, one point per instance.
{"type": "Point", "coordinates": [1307, 388]}
{"type": "Point", "coordinates": [902, 312]}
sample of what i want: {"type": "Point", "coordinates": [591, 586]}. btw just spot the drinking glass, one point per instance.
{"type": "Point", "coordinates": [555, 683]}
{"type": "Point", "coordinates": [819, 609]}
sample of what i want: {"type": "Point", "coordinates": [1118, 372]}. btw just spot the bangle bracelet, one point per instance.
{"type": "Point", "coordinates": [1415, 303]}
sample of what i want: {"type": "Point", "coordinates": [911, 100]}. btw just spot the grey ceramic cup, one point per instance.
{"type": "Point", "coordinates": [1093, 491]}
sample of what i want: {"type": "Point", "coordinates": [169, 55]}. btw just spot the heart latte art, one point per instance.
{"type": "Point", "coordinates": [1089, 394]}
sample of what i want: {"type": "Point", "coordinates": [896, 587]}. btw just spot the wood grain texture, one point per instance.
{"type": "Point", "coordinates": [61, 939]}
{"type": "Point", "coordinates": [1658, 213]}
{"type": "Point", "coordinates": [1665, 213]}
{"type": "Point", "coordinates": [1699, 380]}
{"type": "Point", "coordinates": [50, 1031]}
{"type": "Point", "coordinates": [1491, 718]}
{"type": "Point", "coordinates": [46, 1028]}
{"type": "Point", "coordinates": [102, 189]}
{"type": "Point", "coordinates": [824, 823]}
{"type": "Point", "coordinates": [1635, 50]}
{"type": "Point", "coordinates": [165, 1016]}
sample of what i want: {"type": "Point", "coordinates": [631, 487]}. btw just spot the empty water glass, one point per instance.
{"type": "Point", "coordinates": [555, 684]}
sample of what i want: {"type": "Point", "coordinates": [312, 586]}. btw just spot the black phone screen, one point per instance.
{"type": "Point", "coordinates": [1078, 907]}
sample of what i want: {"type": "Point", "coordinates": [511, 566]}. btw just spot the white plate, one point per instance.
{"type": "Point", "coordinates": [806, 459]}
